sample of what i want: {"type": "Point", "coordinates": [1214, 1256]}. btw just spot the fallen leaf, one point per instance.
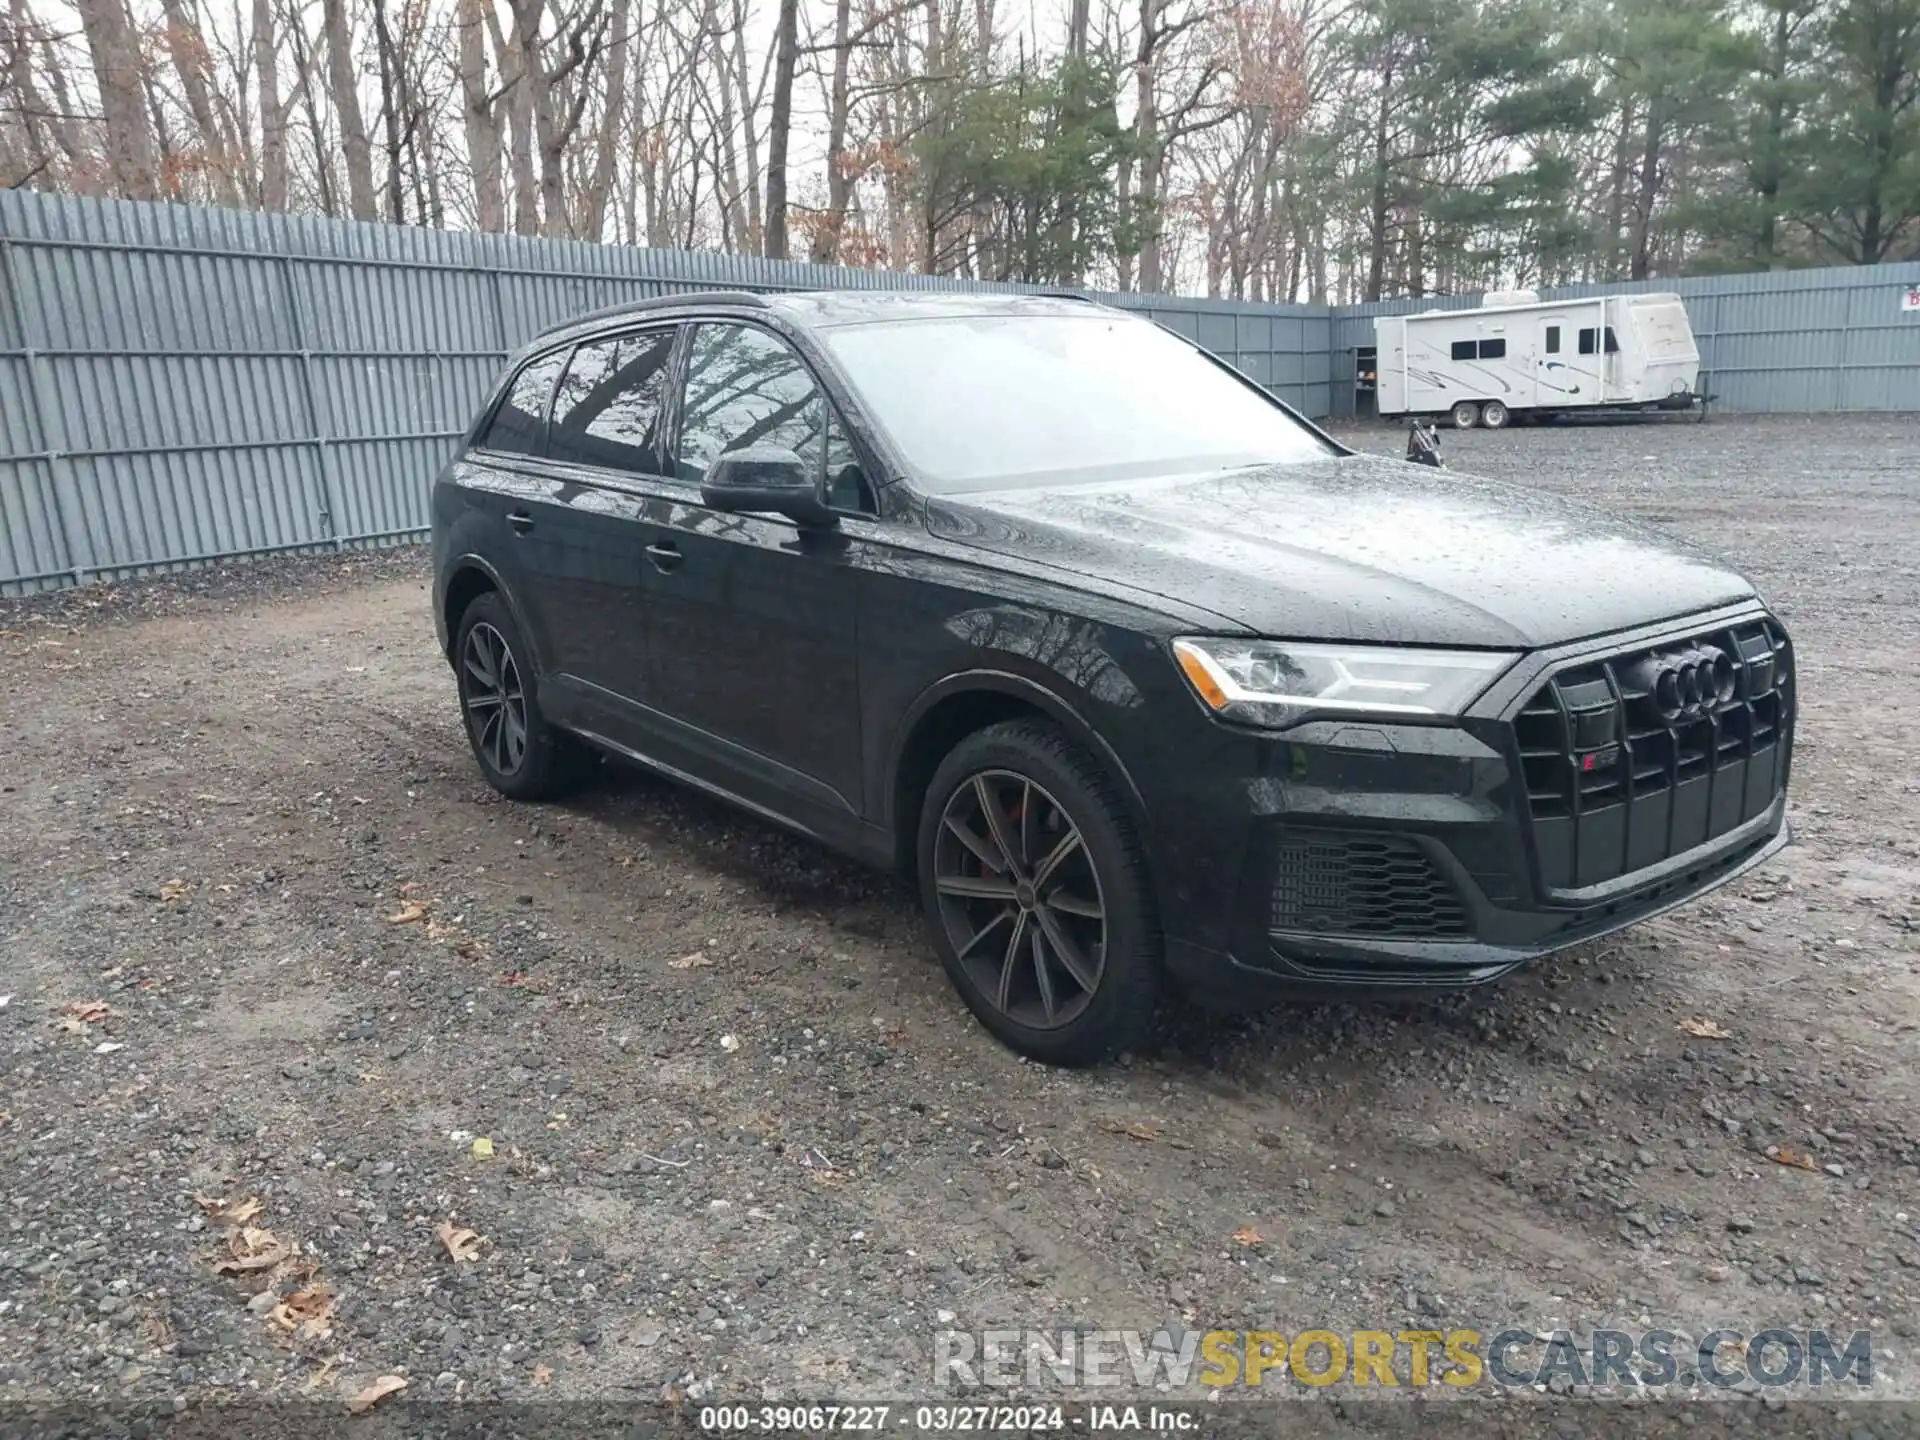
{"type": "Point", "coordinates": [1247, 1235]}
{"type": "Point", "coordinates": [409, 913]}
{"type": "Point", "coordinates": [1702, 1028]}
{"type": "Point", "coordinates": [252, 1249]}
{"type": "Point", "coordinates": [1132, 1129]}
{"type": "Point", "coordinates": [698, 960]}
{"type": "Point", "coordinates": [374, 1394]}
{"type": "Point", "coordinates": [1781, 1155]}
{"type": "Point", "coordinates": [308, 1312]}
{"type": "Point", "coordinates": [107, 1047]}
{"type": "Point", "coordinates": [232, 1212]}
{"type": "Point", "coordinates": [542, 1374]}
{"type": "Point", "coordinates": [173, 890]}
{"type": "Point", "coordinates": [90, 1012]}
{"type": "Point", "coordinates": [514, 977]}
{"type": "Point", "coordinates": [324, 1373]}
{"type": "Point", "coordinates": [482, 1148]}
{"type": "Point", "coordinates": [461, 1244]}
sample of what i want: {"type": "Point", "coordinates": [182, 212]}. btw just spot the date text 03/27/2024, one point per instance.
{"type": "Point", "coordinates": [954, 1419]}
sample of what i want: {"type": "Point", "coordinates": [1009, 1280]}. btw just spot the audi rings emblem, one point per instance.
{"type": "Point", "coordinates": [1687, 684]}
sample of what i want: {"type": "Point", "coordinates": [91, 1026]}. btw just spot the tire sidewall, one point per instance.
{"type": "Point", "coordinates": [1130, 971]}
{"type": "Point", "coordinates": [539, 771]}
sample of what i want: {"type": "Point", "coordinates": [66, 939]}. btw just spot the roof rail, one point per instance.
{"type": "Point", "coordinates": [745, 298]}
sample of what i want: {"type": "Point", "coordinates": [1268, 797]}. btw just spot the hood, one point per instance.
{"type": "Point", "coordinates": [1358, 547]}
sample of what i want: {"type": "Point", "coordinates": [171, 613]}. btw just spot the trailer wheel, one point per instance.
{"type": "Point", "coordinates": [1466, 415]}
{"type": "Point", "coordinates": [1494, 415]}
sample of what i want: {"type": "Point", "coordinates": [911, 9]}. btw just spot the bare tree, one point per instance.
{"type": "Point", "coordinates": [343, 81]}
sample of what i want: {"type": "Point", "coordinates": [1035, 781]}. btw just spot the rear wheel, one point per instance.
{"type": "Point", "coordinates": [1466, 415]}
{"type": "Point", "coordinates": [1494, 415]}
{"type": "Point", "coordinates": [521, 755]}
{"type": "Point", "coordinates": [1035, 888]}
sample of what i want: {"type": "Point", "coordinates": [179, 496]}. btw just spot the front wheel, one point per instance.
{"type": "Point", "coordinates": [1036, 891]}
{"type": "Point", "coordinates": [1466, 415]}
{"type": "Point", "coordinates": [1494, 415]}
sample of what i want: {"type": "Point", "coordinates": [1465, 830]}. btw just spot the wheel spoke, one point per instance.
{"type": "Point", "coordinates": [1029, 822]}
{"type": "Point", "coordinates": [986, 930]}
{"type": "Point", "coordinates": [983, 849]}
{"type": "Point", "coordinates": [482, 702]}
{"type": "Point", "coordinates": [1040, 975]}
{"type": "Point", "coordinates": [1073, 905]}
{"type": "Point", "coordinates": [974, 887]}
{"type": "Point", "coordinates": [477, 667]}
{"type": "Point", "coordinates": [1068, 843]}
{"type": "Point", "coordinates": [1064, 946]}
{"type": "Point", "coordinates": [996, 823]}
{"type": "Point", "coordinates": [1010, 961]}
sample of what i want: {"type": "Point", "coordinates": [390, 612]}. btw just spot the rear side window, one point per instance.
{"type": "Point", "coordinates": [516, 426]}
{"type": "Point", "coordinates": [607, 409]}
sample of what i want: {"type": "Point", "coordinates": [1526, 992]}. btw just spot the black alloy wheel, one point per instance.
{"type": "Point", "coordinates": [495, 700]}
{"type": "Point", "coordinates": [1020, 899]}
{"type": "Point", "coordinates": [522, 754]}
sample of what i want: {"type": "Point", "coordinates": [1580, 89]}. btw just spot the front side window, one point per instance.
{"type": "Point", "coordinates": [517, 425]}
{"type": "Point", "coordinates": [747, 387]}
{"type": "Point", "coordinates": [607, 409]}
{"type": "Point", "coordinates": [982, 402]}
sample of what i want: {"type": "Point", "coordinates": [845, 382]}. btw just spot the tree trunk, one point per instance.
{"type": "Point", "coordinates": [393, 101]}
{"type": "Point", "coordinates": [273, 111]}
{"type": "Point", "coordinates": [117, 72]}
{"type": "Point", "coordinates": [747, 185]}
{"type": "Point", "coordinates": [826, 237]}
{"type": "Point", "coordinates": [480, 112]}
{"type": "Point", "coordinates": [188, 51]}
{"type": "Point", "coordinates": [343, 83]}
{"type": "Point", "coordinates": [1646, 191]}
{"type": "Point", "coordinates": [1147, 130]}
{"type": "Point", "coordinates": [786, 56]}
{"type": "Point", "coordinates": [1378, 197]}
{"type": "Point", "coordinates": [593, 220]}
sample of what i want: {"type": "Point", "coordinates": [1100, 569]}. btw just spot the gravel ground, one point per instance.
{"type": "Point", "coordinates": [268, 939]}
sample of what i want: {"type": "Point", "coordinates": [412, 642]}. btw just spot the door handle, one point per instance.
{"type": "Point", "coordinates": [521, 521]}
{"type": "Point", "coordinates": [664, 556]}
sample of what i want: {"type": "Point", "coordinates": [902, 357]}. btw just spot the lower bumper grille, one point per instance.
{"type": "Point", "coordinates": [1645, 755]}
{"type": "Point", "coordinates": [1362, 885]}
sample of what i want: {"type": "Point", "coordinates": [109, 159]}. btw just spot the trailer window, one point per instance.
{"type": "Point", "coordinates": [1463, 349]}
{"type": "Point", "coordinates": [1587, 337]}
{"type": "Point", "coordinates": [1480, 349]}
{"type": "Point", "coordinates": [1613, 345]}
{"type": "Point", "coordinates": [1553, 339]}
{"type": "Point", "coordinates": [1493, 349]}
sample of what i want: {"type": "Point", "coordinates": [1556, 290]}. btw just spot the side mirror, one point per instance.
{"type": "Point", "coordinates": [769, 479]}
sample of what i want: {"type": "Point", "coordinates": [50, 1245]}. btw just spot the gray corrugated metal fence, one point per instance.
{"type": "Point", "coordinates": [179, 384]}
{"type": "Point", "coordinates": [1789, 341]}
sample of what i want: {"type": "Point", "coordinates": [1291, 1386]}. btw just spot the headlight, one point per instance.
{"type": "Point", "coordinates": [1276, 682]}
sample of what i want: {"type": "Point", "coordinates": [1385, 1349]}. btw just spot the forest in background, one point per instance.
{"type": "Point", "coordinates": [1327, 151]}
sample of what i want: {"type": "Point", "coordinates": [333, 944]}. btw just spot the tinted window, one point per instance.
{"type": "Point", "coordinates": [1553, 339]}
{"type": "Point", "coordinates": [985, 402]}
{"type": "Point", "coordinates": [1493, 349]}
{"type": "Point", "coordinates": [1586, 341]}
{"type": "Point", "coordinates": [746, 387]}
{"type": "Point", "coordinates": [516, 425]}
{"type": "Point", "coordinates": [1463, 349]}
{"type": "Point", "coordinates": [607, 409]}
{"type": "Point", "coordinates": [1613, 345]}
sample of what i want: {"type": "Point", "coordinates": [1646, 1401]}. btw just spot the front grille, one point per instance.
{"type": "Point", "coordinates": [1362, 885]}
{"type": "Point", "coordinates": [1617, 780]}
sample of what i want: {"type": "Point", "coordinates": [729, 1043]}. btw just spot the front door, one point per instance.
{"type": "Point", "coordinates": [1566, 371]}
{"type": "Point", "coordinates": [753, 620]}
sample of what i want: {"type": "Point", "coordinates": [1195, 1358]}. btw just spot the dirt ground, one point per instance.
{"type": "Point", "coordinates": [745, 1141]}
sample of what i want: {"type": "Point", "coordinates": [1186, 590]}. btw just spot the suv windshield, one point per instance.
{"type": "Point", "coordinates": [998, 401]}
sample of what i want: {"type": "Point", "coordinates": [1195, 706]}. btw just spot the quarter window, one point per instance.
{"type": "Point", "coordinates": [745, 387]}
{"type": "Point", "coordinates": [517, 425]}
{"type": "Point", "coordinates": [607, 409]}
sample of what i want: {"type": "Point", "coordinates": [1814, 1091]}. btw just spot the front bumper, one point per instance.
{"type": "Point", "coordinates": [1413, 857]}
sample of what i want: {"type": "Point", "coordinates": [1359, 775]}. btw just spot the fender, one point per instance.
{"type": "Point", "coordinates": [1024, 688]}
{"type": "Point", "coordinates": [468, 560]}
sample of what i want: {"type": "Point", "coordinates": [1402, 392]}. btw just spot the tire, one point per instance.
{"type": "Point", "coordinates": [1466, 415]}
{"type": "Point", "coordinates": [1495, 415]}
{"type": "Point", "coordinates": [1088, 900]}
{"type": "Point", "coordinates": [491, 658]}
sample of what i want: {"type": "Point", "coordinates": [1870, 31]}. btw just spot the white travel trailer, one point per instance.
{"type": "Point", "coordinates": [1519, 356]}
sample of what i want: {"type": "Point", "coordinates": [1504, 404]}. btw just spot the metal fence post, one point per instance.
{"type": "Point", "coordinates": [323, 448]}
{"type": "Point", "coordinates": [60, 477]}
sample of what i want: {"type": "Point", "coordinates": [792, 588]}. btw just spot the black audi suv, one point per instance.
{"type": "Point", "coordinates": [1139, 675]}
